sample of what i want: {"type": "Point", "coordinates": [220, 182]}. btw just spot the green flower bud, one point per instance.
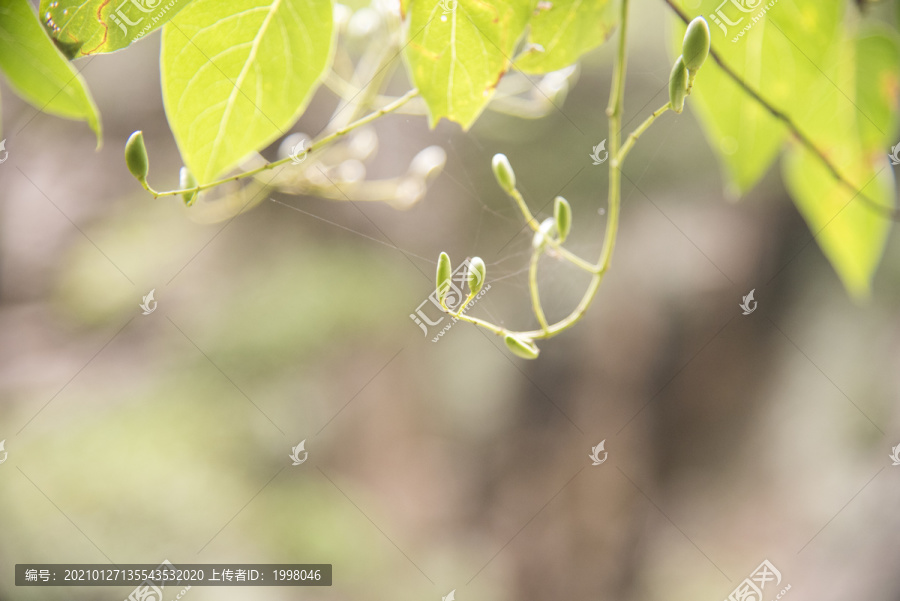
{"type": "Point", "coordinates": [678, 85]}
{"type": "Point", "coordinates": [695, 47]}
{"type": "Point", "coordinates": [562, 213]}
{"type": "Point", "coordinates": [443, 275]}
{"type": "Point", "coordinates": [187, 180]}
{"type": "Point", "coordinates": [136, 156]}
{"type": "Point", "coordinates": [476, 275]}
{"type": "Point", "coordinates": [503, 171]}
{"type": "Point", "coordinates": [522, 347]}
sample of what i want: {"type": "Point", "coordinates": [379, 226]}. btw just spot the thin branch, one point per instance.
{"type": "Point", "coordinates": [893, 214]}
{"type": "Point", "coordinates": [314, 146]}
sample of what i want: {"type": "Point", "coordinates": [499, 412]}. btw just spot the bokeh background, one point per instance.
{"type": "Point", "coordinates": [438, 466]}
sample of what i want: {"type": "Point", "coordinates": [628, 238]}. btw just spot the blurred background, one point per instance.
{"type": "Point", "coordinates": [449, 465]}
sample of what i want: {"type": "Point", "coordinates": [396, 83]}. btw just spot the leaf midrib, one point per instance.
{"type": "Point", "coordinates": [229, 104]}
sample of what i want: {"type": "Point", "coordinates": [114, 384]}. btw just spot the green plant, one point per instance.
{"type": "Point", "coordinates": [551, 233]}
{"type": "Point", "coordinates": [814, 79]}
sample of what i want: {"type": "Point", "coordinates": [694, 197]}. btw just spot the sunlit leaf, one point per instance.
{"type": "Point", "coordinates": [236, 75]}
{"type": "Point", "coordinates": [848, 230]}
{"type": "Point", "coordinates": [38, 71]}
{"type": "Point", "coordinates": [878, 87]}
{"type": "Point", "coordinates": [459, 49]}
{"type": "Point", "coordinates": [775, 50]}
{"type": "Point", "coordinates": [562, 30]}
{"type": "Point", "coordinates": [847, 227]}
{"type": "Point", "coordinates": [82, 27]}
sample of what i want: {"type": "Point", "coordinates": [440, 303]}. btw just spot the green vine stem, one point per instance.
{"type": "Point", "coordinates": [535, 293]}
{"type": "Point", "coordinates": [324, 141]}
{"type": "Point", "coordinates": [633, 137]}
{"type": "Point", "coordinates": [614, 116]}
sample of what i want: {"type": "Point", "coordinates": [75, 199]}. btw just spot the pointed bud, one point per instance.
{"type": "Point", "coordinates": [678, 85]}
{"type": "Point", "coordinates": [476, 275]}
{"type": "Point", "coordinates": [562, 213]}
{"type": "Point", "coordinates": [522, 347]}
{"type": "Point", "coordinates": [695, 46]}
{"type": "Point", "coordinates": [187, 180]}
{"type": "Point", "coordinates": [443, 275]}
{"type": "Point", "coordinates": [504, 173]}
{"type": "Point", "coordinates": [136, 156]}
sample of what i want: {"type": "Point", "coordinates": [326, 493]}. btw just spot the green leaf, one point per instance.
{"type": "Point", "coordinates": [458, 50]}
{"type": "Point", "coordinates": [82, 27]}
{"type": "Point", "coordinates": [38, 71]}
{"type": "Point", "coordinates": [236, 75]}
{"type": "Point", "coordinates": [777, 56]}
{"type": "Point", "coordinates": [849, 230]}
{"type": "Point", "coordinates": [566, 29]}
{"type": "Point", "coordinates": [878, 86]}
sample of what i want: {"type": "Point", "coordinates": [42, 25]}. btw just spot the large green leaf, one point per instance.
{"type": "Point", "coordinates": [38, 71]}
{"type": "Point", "coordinates": [459, 49]}
{"type": "Point", "coordinates": [878, 87]}
{"type": "Point", "coordinates": [778, 56]}
{"type": "Point", "coordinates": [850, 232]}
{"type": "Point", "coordinates": [82, 27]}
{"type": "Point", "coordinates": [562, 30]}
{"type": "Point", "coordinates": [853, 112]}
{"type": "Point", "coordinates": [236, 75]}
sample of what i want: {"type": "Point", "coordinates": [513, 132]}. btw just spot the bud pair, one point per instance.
{"type": "Point", "coordinates": [559, 225]}
{"type": "Point", "coordinates": [694, 50]}
{"type": "Point", "coordinates": [474, 277]}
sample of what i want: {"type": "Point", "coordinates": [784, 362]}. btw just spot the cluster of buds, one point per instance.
{"type": "Point", "coordinates": [548, 237]}
{"type": "Point", "coordinates": [694, 50]}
